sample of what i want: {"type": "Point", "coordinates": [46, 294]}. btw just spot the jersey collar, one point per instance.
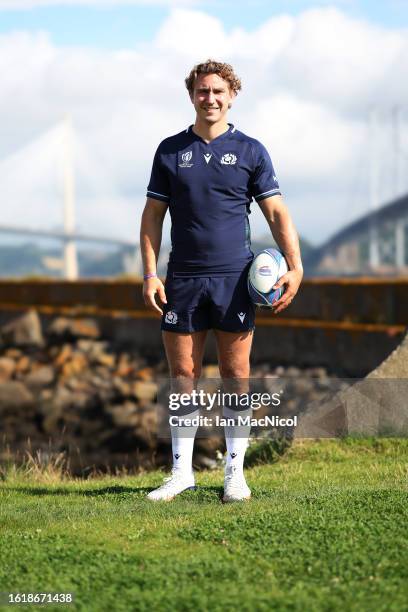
{"type": "Point", "coordinates": [231, 130]}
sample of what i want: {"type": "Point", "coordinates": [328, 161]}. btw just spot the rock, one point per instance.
{"type": "Point", "coordinates": [14, 353]}
{"type": "Point", "coordinates": [46, 394]}
{"type": "Point", "coordinates": [162, 368]}
{"type": "Point", "coordinates": [396, 364]}
{"type": "Point", "coordinates": [317, 373]}
{"type": "Point", "coordinates": [103, 373]}
{"type": "Point", "coordinates": [64, 355]}
{"type": "Point", "coordinates": [96, 352]}
{"type": "Point", "coordinates": [62, 327]}
{"type": "Point", "coordinates": [74, 383]}
{"type": "Point", "coordinates": [147, 374]}
{"type": "Point", "coordinates": [99, 382]}
{"type": "Point", "coordinates": [14, 394]}
{"type": "Point", "coordinates": [144, 390]}
{"type": "Point", "coordinates": [124, 367]}
{"type": "Point", "coordinates": [124, 415]}
{"type": "Point", "coordinates": [272, 384]}
{"type": "Point", "coordinates": [121, 386]}
{"type": "Point", "coordinates": [75, 365]}
{"type": "Point", "coordinates": [50, 409]}
{"type": "Point", "coordinates": [23, 364]}
{"type": "Point", "coordinates": [41, 377]}
{"type": "Point", "coordinates": [302, 386]}
{"type": "Point", "coordinates": [62, 398]}
{"type": "Point", "coordinates": [23, 331]}
{"type": "Point", "coordinates": [146, 429]}
{"type": "Point", "coordinates": [85, 328]}
{"type": "Point", "coordinates": [292, 372]}
{"type": "Point", "coordinates": [66, 405]}
{"type": "Point", "coordinates": [205, 462]}
{"type": "Point", "coordinates": [86, 346]}
{"type": "Point", "coordinates": [90, 432]}
{"type": "Point", "coordinates": [7, 368]}
{"type": "Point", "coordinates": [50, 422]}
{"type": "Point", "coordinates": [105, 359]}
{"type": "Point", "coordinates": [92, 348]}
{"type": "Point", "coordinates": [211, 371]}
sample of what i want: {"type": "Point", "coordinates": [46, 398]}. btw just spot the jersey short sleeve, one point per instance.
{"type": "Point", "coordinates": [159, 187]}
{"type": "Point", "coordinates": [263, 182]}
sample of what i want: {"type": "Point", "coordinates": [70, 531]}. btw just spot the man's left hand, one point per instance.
{"type": "Point", "coordinates": [292, 280]}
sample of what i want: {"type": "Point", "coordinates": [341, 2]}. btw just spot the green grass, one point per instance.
{"type": "Point", "coordinates": [327, 529]}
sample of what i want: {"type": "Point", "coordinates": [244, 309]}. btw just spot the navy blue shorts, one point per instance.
{"type": "Point", "coordinates": [195, 304]}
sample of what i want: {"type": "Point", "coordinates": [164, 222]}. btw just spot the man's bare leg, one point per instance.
{"type": "Point", "coordinates": [233, 355]}
{"type": "Point", "coordinates": [184, 355]}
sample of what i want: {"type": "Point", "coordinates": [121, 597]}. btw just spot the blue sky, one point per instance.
{"type": "Point", "coordinates": [122, 26]}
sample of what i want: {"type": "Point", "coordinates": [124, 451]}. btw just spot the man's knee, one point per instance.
{"type": "Point", "coordinates": [235, 369]}
{"type": "Point", "coordinates": [182, 372]}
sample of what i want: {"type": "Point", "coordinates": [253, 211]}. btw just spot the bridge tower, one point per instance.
{"type": "Point", "coordinates": [70, 251]}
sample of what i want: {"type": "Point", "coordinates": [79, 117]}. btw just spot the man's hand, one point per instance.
{"type": "Point", "coordinates": [152, 286]}
{"type": "Point", "coordinates": [292, 280]}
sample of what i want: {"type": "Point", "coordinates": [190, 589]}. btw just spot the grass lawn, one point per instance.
{"type": "Point", "coordinates": [326, 529]}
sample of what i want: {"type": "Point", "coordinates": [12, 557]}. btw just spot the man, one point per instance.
{"type": "Point", "coordinates": [207, 176]}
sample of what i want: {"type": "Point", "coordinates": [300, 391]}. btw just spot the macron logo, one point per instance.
{"type": "Point", "coordinates": [207, 157]}
{"type": "Point", "coordinates": [241, 316]}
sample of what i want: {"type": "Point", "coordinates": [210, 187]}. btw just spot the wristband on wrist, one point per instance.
{"type": "Point", "coordinates": [150, 275]}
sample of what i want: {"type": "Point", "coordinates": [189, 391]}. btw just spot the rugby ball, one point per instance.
{"type": "Point", "coordinates": [266, 269]}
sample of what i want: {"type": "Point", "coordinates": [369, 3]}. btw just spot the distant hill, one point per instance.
{"type": "Point", "coordinates": [267, 242]}
{"type": "Point", "coordinates": [33, 260]}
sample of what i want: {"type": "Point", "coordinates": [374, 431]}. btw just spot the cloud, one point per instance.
{"type": "Point", "coordinates": [30, 4]}
{"type": "Point", "coordinates": [308, 83]}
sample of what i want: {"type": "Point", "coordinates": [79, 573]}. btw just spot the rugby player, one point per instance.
{"type": "Point", "coordinates": [207, 176]}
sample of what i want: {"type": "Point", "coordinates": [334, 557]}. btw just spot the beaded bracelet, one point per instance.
{"type": "Point", "coordinates": [150, 275]}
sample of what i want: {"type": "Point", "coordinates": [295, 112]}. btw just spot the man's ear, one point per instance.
{"type": "Point", "coordinates": [233, 95]}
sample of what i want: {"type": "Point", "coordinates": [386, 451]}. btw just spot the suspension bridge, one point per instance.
{"type": "Point", "coordinates": [38, 185]}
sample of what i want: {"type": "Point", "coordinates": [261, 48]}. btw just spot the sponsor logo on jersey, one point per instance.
{"type": "Point", "coordinates": [265, 271]}
{"type": "Point", "coordinates": [171, 317]}
{"type": "Point", "coordinates": [229, 159]}
{"type": "Point", "coordinates": [241, 316]}
{"type": "Point", "coordinates": [207, 156]}
{"type": "Point", "coordinates": [186, 158]}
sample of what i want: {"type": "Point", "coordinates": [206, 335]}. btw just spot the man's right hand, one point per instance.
{"type": "Point", "coordinates": [151, 286]}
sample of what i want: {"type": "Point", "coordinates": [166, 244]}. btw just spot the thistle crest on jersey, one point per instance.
{"type": "Point", "coordinates": [171, 317]}
{"type": "Point", "coordinates": [229, 159]}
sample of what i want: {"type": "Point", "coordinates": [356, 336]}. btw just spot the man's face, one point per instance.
{"type": "Point", "coordinates": [211, 96]}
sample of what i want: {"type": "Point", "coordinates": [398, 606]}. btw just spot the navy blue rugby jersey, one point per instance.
{"type": "Point", "coordinates": [209, 189]}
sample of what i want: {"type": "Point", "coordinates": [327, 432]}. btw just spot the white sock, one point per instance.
{"type": "Point", "coordinates": [182, 442]}
{"type": "Point", "coordinates": [236, 438]}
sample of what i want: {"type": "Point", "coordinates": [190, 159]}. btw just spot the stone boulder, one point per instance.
{"type": "Point", "coordinates": [25, 331]}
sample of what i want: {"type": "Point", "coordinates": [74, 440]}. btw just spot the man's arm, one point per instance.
{"type": "Point", "coordinates": [285, 235]}
{"type": "Point", "coordinates": [150, 241]}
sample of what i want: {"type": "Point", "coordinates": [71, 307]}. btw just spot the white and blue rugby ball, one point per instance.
{"type": "Point", "coordinates": [266, 269]}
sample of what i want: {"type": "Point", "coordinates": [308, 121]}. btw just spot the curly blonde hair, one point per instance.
{"type": "Point", "coordinates": [225, 71]}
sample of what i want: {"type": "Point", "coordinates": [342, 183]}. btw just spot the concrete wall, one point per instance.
{"type": "Point", "coordinates": [347, 326]}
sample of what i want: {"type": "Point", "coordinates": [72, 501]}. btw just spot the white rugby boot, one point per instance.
{"type": "Point", "coordinates": [235, 486]}
{"type": "Point", "coordinates": [175, 484]}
